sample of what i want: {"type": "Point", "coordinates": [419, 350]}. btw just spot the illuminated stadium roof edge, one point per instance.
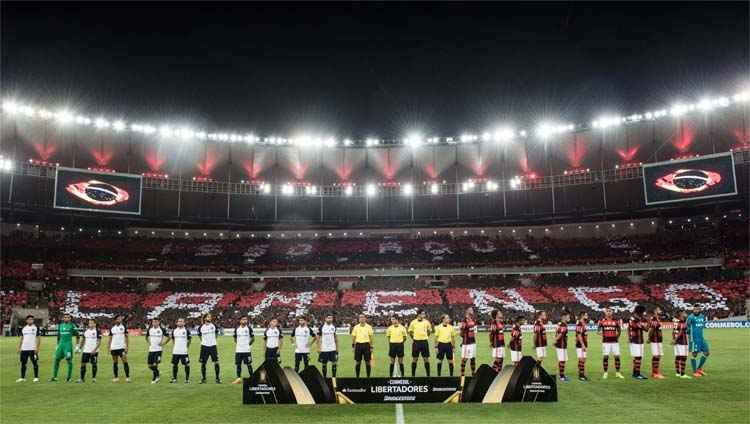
{"type": "Point", "coordinates": [498, 134]}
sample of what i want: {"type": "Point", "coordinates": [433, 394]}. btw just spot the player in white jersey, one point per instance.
{"type": "Point", "coordinates": [327, 346]}
{"type": "Point", "coordinates": [92, 338]}
{"type": "Point", "coordinates": [28, 347]}
{"type": "Point", "coordinates": [274, 340]}
{"type": "Point", "coordinates": [181, 340]}
{"type": "Point", "coordinates": [118, 347]}
{"type": "Point", "coordinates": [207, 332]}
{"type": "Point", "coordinates": [303, 336]}
{"type": "Point", "coordinates": [243, 338]}
{"type": "Point", "coordinates": [157, 337]}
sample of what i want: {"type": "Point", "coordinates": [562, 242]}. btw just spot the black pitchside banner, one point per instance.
{"type": "Point", "coordinates": [398, 390]}
{"type": "Point", "coordinates": [525, 382]}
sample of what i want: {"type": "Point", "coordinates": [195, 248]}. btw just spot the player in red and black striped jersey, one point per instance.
{"type": "Point", "coordinates": [497, 339]}
{"type": "Point", "coordinates": [561, 344]}
{"type": "Point", "coordinates": [609, 328]}
{"type": "Point", "coordinates": [540, 337]}
{"type": "Point", "coordinates": [516, 340]}
{"type": "Point", "coordinates": [636, 326]}
{"type": "Point", "coordinates": [468, 341]}
{"type": "Point", "coordinates": [680, 342]}
{"type": "Point", "coordinates": [655, 338]}
{"type": "Point", "coordinates": [582, 344]}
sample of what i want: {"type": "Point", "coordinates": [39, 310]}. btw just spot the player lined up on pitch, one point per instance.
{"type": "Point", "coordinates": [687, 338]}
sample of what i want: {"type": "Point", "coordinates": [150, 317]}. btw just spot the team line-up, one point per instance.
{"type": "Point", "coordinates": [687, 336]}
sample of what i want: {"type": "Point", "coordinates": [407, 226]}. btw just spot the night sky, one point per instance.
{"type": "Point", "coordinates": [371, 69]}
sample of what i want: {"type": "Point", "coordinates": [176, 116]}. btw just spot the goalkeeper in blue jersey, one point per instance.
{"type": "Point", "coordinates": [696, 321]}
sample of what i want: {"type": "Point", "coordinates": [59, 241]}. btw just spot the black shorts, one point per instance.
{"type": "Point", "coordinates": [331, 356]}
{"type": "Point", "coordinates": [243, 358]}
{"type": "Point", "coordinates": [444, 350]}
{"type": "Point", "coordinates": [28, 354]}
{"type": "Point", "coordinates": [118, 353]}
{"type": "Point", "coordinates": [302, 356]}
{"type": "Point", "coordinates": [420, 348]}
{"type": "Point", "coordinates": [396, 350]}
{"type": "Point", "coordinates": [89, 357]}
{"type": "Point", "coordinates": [362, 351]}
{"type": "Point", "coordinates": [154, 357]}
{"type": "Point", "coordinates": [208, 352]}
{"type": "Point", "coordinates": [273, 353]}
{"type": "Point", "coordinates": [177, 358]}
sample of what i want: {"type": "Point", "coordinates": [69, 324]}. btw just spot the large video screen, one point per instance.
{"type": "Point", "coordinates": [79, 189]}
{"type": "Point", "coordinates": [689, 179]}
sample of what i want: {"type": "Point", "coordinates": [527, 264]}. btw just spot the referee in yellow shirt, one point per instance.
{"type": "Point", "coordinates": [362, 334]}
{"type": "Point", "coordinates": [396, 335]}
{"type": "Point", "coordinates": [419, 330]}
{"type": "Point", "coordinates": [445, 342]}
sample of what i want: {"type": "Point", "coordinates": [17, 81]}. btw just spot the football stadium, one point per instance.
{"type": "Point", "coordinates": [374, 213]}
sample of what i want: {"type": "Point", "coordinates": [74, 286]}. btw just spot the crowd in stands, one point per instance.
{"type": "Point", "coordinates": [723, 292]}
{"type": "Point", "coordinates": [52, 255]}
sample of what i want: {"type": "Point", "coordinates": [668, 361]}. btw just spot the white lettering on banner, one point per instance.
{"type": "Point", "coordinates": [716, 299]}
{"type": "Point", "coordinates": [486, 246]}
{"type": "Point", "coordinates": [484, 301]}
{"type": "Point", "coordinates": [207, 303]}
{"type": "Point", "coordinates": [390, 247]}
{"type": "Point", "coordinates": [72, 302]}
{"type": "Point", "coordinates": [437, 248]}
{"type": "Point", "coordinates": [256, 251]}
{"type": "Point", "coordinates": [374, 307]}
{"type": "Point", "coordinates": [728, 324]}
{"type": "Point", "coordinates": [209, 250]}
{"type": "Point", "coordinates": [300, 249]}
{"type": "Point", "coordinates": [301, 302]}
{"type": "Point", "coordinates": [581, 294]}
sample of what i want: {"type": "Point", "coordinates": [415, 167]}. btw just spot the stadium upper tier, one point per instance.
{"type": "Point", "coordinates": [600, 243]}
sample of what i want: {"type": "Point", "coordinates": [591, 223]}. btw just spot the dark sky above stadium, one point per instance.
{"type": "Point", "coordinates": [371, 69]}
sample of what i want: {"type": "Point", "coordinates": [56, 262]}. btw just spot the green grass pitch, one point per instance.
{"type": "Point", "coordinates": [723, 396]}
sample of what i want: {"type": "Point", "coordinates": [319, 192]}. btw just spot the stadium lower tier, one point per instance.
{"type": "Point", "coordinates": [719, 298]}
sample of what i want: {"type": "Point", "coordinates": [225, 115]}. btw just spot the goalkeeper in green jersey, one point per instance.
{"type": "Point", "coordinates": [65, 332]}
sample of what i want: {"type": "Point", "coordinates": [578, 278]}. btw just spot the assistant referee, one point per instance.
{"type": "Point", "coordinates": [419, 330]}
{"type": "Point", "coordinates": [445, 341]}
{"type": "Point", "coordinates": [396, 335]}
{"type": "Point", "coordinates": [362, 335]}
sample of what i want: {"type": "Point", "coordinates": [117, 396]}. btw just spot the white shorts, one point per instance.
{"type": "Point", "coordinates": [541, 352]}
{"type": "Point", "coordinates": [562, 354]}
{"type": "Point", "coordinates": [657, 349]}
{"type": "Point", "coordinates": [611, 349]}
{"type": "Point", "coordinates": [580, 353]}
{"type": "Point", "coordinates": [680, 350]}
{"type": "Point", "coordinates": [636, 350]}
{"type": "Point", "coordinates": [468, 351]}
{"type": "Point", "coordinates": [498, 352]}
{"type": "Point", "coordinates": [516, 355]}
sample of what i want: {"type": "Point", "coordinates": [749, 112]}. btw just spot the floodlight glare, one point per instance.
{"type": "Point", "coordinates": [407, 189]}
{"type": "Point", "coordinates": [11, 107]}
{"type": "Point", "coordinates": [348, 190]}
{"type": "Point", "coordinates": [287, 190]}
{"type": "Point", "coordinates": [434, 188]}
{"type": "Point", "coordinates": [371, 190]}
{"type": "Point", "coordinates": [64, 116]}
{"type": "Point", "coordinates": [118, 125]}
{"type": "Point", "coordinates": [101, 123]}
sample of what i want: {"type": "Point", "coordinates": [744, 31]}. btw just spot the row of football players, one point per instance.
{"type": "Point", "coordinates": [609, 328]}
{"type": "Point", "coordinates": [419, 330]}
